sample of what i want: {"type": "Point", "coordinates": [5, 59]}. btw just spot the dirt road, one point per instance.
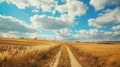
{"type": "Point", "coordinates": [74, 62]}
{"type": "Point", "coordinates": [55, 62]}
{"type": "Point", "coordinates": [65, 58]}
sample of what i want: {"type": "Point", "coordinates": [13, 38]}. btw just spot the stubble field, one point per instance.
{"type": "Point", "coordinates": [44, 53]}
{"type": "Point", "coordinates": [97, 54]}
{"type": "Point", "coordinates": [27, 53]}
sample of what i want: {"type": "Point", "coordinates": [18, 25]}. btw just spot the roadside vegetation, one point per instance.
{"type": "Point", "coordinates": [27, 53]}
{"type": "Point", "coordinates": [40, 53]}
{"type": "Point", "coordinates": [95, 54]}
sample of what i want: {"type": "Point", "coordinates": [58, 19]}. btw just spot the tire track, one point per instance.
{"type": "Point", "coordinates": [74, 62]}
{"type": "Point", "coordinates": [64, 60]}
{"type": "Point", "coordinates": [56, 60]}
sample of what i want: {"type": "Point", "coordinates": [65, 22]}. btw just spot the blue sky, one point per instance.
{"type": "Point", "coordinates": [66, 20]}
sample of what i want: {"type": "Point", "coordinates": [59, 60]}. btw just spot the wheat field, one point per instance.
{"type": "Point", "coordinates": [17, 52]}
{"type": "Point", "coordinates": [97, 54]}
{"type": "Point", "coordinates": [26, 53]}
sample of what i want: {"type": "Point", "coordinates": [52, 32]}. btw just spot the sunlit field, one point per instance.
{"type": "Point", "coordinates": [20, 52]}
{"type": "Point", "coordinates": [97, 54]}
{"type": "Point", "coordinates": [27, 53]}
{"type": "Point", "coordinates": [59, 33]}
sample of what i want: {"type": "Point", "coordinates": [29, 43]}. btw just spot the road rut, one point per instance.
{"type": "Point", "coordinates": [73, 60]}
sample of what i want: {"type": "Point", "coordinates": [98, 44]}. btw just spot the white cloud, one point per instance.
{"type": "Point", "coordinates": [100, 4]}
{"type": "Point", "coordinates": [64, 32]}
{"type": "Point", "coordinates": [48, 22]}
{"type": "Point", "coordinates": [35, 10]}
{"type": "Point", "coordinates": [22, 4]}
{"type": "Point", "coordinates": [1, 1]}
{"type": "Point", "coordinates": [45, 5]}
{"type": "Point", "coordinates": [15, 34]}
{"type": "Point", "coordinates": [92, 33]}
{"type": "Point", "coordinates": [72, 8]}
{"type": "Point", "coordinates": [88, 35]}
{"type": "Point", "coordinates": [7, 34]}
{"type": "Point", "coordinates": [69, 11]}
{"type": "Point", "coordinates": [8, 23]}
{"type": "Point", "coordinates": [110, 17]}
{"type": "Point", "coordinates": [97, 35]}
{"type": "Point", "coordinates": [116, 28]}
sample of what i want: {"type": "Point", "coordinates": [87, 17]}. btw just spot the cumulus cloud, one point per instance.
{"type": "Point", "coordinates": [45, 5]}
{"type": "Point", "coordinates": [97, 35]}
{"type": "Point", "coordinates": [64, 32]}
{"type": "Point", "coordinates": [1, 1]}
{"type": "Point", "coordinates": [8, 23]}
{"type": "Point", "coordinates": [116, 28]}
{"type": "Point", "coordinates": [48, 22]}
{"type": "Point", "coordinates": [72, 8]}
{"type": "Point", "coordinates": [91, 34]}
{"type": "Point", "coordinates": [110, 17]}
{"type": "Point", "coordinates": [100, 4]}
{"type": "Point", "coordinates": [81, 35]}
{"type": "Point", "coordinates": [15, 34]}
{"type": "Point", "coordinates": [88, 35]}
{"type": "Point", "coordinates": [35, 10]}
{"type": "Point", "coordinates": [68, 11]}
{"type": "Point", "coordinates": [7, 34]}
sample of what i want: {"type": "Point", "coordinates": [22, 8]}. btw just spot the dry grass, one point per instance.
{"type": "Point", "coordinates": [18, 41]}
{"type": "Point", "coordinates": [99, 54]}
{"type": "Point", "coordinates": [64, 59]}
{"type": "Point", "coordinates": [25, 53]}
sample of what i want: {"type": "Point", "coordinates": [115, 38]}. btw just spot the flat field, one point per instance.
{"type": "Point", "coordinates": [97, 54]}
{"type": "Point", "coordinates": [27, 52]}
{"type": "Point", "coordinates": [45, 53]}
